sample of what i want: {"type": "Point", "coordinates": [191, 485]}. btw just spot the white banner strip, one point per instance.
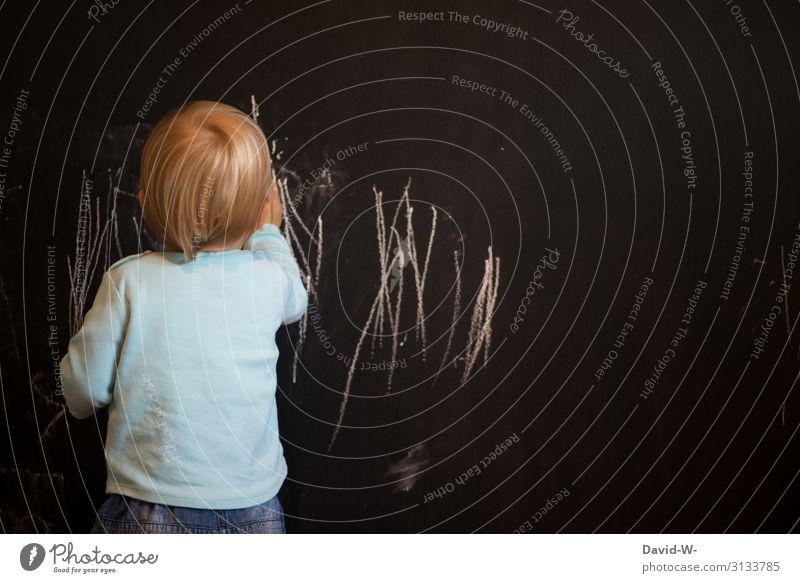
{"type": "Point", "coordinates": [400, 558]}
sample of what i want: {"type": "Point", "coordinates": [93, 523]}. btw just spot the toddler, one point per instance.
{"type": "Point", "coordinates": [180, 344]}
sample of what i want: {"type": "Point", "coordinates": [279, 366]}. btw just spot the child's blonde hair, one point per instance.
{"type": "Point", "coordinates": [206, 173]}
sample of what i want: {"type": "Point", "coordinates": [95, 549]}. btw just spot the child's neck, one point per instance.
{"type": "Point", "coordinates": [221, 247]}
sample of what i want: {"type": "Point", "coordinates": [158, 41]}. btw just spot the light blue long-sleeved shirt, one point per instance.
{"type": "Point", "coordinates": [184, 355]}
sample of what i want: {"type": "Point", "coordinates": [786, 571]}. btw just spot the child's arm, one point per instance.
{"type": "Point", "coordinates": [88, 370]}
{"type": "Point", "coordinates": [270, 241]}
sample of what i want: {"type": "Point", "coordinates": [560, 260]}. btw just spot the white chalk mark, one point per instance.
{"type": "Point", "coordinates": [383, 307]}
{"type": "Point", "coordinates": [480, 330]}
{"type": "Point", "coordinates": [318, 270]}
{"type": "Point", "coordinates": [399, 262]}
{"type": "Point", "coordinates": [351, 370]}
{"type": "Point", "coordinates": [93, 240]}
{"type": "Point", "coordinates": [254, 113]}
{"type": "Point", "coordinates": [395, 324]}
{"type": "Point", "coordinates": [456, 314]}
{"type": "Point", "coordinates": [380, 228]}
{"type": "Point", "coordinates": [490, 310]}
{"type": "Point", "coordinates": [412, 258]}
{"type": "Point", "coordinates": [312, 286]}
{"type": "Point", "coordinates": [301, 338]}
{"type": "Point", "coordinates": [381, 302]}
{"type": "Point", "coordinates": [283, 188]}
{"type": "Point", "coordinates": [47, 431]}
{"type": "Point", "coordinates": [310, 277]}
{"type": "Point", "coordinates": [38, 381]}
{"type": "Point", "coordinates": [408, 469]}
{"type": "Point", "coordinates": [420, 279]}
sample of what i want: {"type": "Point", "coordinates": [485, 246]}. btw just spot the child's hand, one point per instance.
{"type": "Point", "coordinates": [272, 211]}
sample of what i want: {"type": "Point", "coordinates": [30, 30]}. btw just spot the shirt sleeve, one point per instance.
{"type": "Point", "coordinates": [270, 242]}
{"type": "Point", "coordinates": [88, 370]}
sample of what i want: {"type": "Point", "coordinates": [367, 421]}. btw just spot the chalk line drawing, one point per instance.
{"type": "Point", "coordinates": [308, 272]}
{"type": "Point", "coordinates": [400, 260]}
{"type": "Point", "coordinates": [381, 309]}
{"type": "Point", "coordinates": [480, 329]}
{"type": "Point", "coordinates": [94, 240]}
{"type": "Point", "coordinates": [254, 111]}
{"type": "Point", "coordinates": [456, 314]}
{"type": "Point", "coordinates": [385, 310]}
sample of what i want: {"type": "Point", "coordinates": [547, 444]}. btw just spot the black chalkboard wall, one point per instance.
{"type": "Point", "coordinates": [587, 323]}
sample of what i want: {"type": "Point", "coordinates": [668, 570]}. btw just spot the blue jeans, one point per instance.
{"type": "Point", "coordinates": [125, 515]}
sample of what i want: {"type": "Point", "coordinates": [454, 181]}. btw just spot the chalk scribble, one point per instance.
{"type": "Point", "coordinates": [95, 238]}
{"type": "Point", "coordinates": [385, 311]}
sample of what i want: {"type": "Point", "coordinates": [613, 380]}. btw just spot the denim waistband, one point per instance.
{"type": "Point", "coordinates": [125, 515]}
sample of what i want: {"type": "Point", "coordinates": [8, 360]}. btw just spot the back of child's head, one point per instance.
{"type": "Point", "coordinates": [205, 175]}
